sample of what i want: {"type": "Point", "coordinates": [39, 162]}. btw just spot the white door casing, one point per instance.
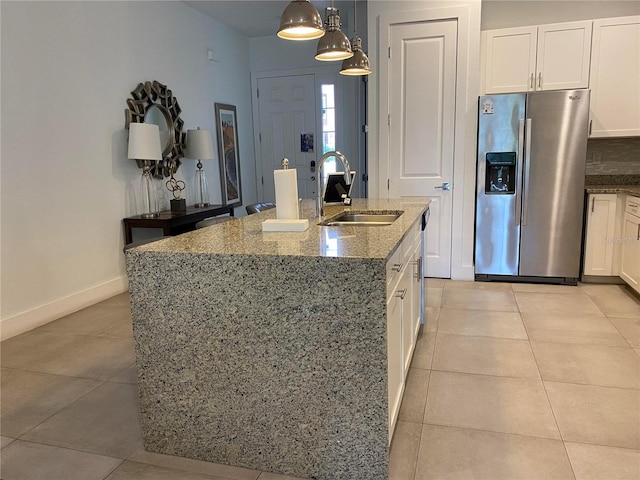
{"type": "Point", "coordinates": [421, 125]}
{"type": "Point", "coordinates": [286, 110]}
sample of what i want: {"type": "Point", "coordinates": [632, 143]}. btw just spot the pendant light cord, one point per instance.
{"type": "Point", "coordinates": [355, 19]}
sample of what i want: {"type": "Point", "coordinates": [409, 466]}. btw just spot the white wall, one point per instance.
{"type": "Point", "coordinates": [67, 71]}
{"type": "Point", "coordinates": [506, 14]}
{"type": "Point", "coordinates": [464, 165]}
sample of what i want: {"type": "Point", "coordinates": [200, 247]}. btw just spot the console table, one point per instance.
{"type": "Point", "coordinates": [174, 223]}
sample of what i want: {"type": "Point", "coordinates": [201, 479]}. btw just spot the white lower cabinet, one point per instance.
{"type": "Point", "coordinates": [404, 314]}
{"type": "Point", "coordinates": [600, 237]}
{"type": "Point", "coordinates": [630, 255]}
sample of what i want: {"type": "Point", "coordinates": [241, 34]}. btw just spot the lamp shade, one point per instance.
{"type": "Point", "coordinates": [300, 21]}
{"type": "Point", "coordinates": [334, 45]}
{"type": "Point", "coordinates": [359, 63]}
{"type": "Point", "coordinates": [199, 145]}
{"type": "Point", "coordinates": [144, 142]}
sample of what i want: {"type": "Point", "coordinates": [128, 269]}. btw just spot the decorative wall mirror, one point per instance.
{"type": "Point", "coordinates": [153, 102]}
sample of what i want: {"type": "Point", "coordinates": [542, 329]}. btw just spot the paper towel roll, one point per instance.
{"type": "Point", "coordinates": [286, 183]}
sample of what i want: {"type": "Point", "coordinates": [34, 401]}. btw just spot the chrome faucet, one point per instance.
{"type": "Point", "coordinates": [347, 178]}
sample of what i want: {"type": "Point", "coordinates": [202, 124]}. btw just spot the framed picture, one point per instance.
{"type": "Point", "coordinates": [227, 130]}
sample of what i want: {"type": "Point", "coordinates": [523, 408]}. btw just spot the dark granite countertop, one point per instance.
{"type": "Point", "coordinates": [629, 184]}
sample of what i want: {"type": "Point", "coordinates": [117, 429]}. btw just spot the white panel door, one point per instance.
{"type": "Point", "coordinates": [422, 80]}
{"type": "Point", "coordinates": [287, 110]}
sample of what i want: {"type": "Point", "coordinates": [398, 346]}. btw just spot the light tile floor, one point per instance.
{"type": "Point", "coordinates": [508, 381]}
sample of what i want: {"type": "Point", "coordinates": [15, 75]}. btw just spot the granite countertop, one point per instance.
{"type": "Point", "coordinates": [628, 189]}
{"type": "Point", "coordinates": [244, 235]}
{"type": "Point", "coordinates": [629, 184]}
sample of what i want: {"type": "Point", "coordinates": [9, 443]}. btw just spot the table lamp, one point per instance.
{"type": "Point", "coordinates": [199, 147]}
{"type": "Point", "coordinates": [144, 144]}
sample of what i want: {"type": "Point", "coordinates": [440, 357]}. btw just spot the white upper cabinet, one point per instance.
{"type": "Point", "coordinates": [615, 77]}
{"type": "Point", "coordinates": [510, 59]}
{"type": "Point", "coordinates": [544, 57]}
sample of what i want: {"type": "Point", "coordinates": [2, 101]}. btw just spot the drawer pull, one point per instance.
{"type": "Point", "coordinates": [397, 267]}
{"type": "Point", "coordinates": [401, 293]}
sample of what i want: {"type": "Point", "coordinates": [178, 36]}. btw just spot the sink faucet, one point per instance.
{"type": "Point", "coordinates": [347, 178]}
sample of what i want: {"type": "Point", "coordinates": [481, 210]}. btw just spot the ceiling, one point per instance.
{"type": "Point", "coordinates": [256, 18]}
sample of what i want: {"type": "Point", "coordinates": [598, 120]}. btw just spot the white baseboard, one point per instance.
{"type": "Point", "coordinates": [25, 321]}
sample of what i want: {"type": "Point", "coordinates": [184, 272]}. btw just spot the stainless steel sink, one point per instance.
{"type": "Point", "coordinates": [363, 219]}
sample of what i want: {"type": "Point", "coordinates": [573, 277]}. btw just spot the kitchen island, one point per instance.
{"type": "Point", "coordinates": [269, 350]}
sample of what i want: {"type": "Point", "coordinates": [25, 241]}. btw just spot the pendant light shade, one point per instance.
{"type": "Point", "coordinates": [359, 63]}
{"type": "Point", "coordinates": [334, 45]}
{"type": "Point", "coordinates": [300, 21]}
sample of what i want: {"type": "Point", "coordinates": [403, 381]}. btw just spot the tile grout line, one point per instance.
{"type": "Point", "coordinates": [544, 387]}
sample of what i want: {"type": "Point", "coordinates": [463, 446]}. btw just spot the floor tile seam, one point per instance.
{"type": "Point", "coordinates": [631, 389]}
{"type": "Point", "coordinates": [480, 309]}
{"type": "Point", "coordinates": [485, 374]}
{"type": "Point", "coordinates": [476, 374]}
{"type": "Point", "coordinates": [111, 378]}
{"type": "Point", "coordinates": [580, 344]}
{"type": "Point", "coordinates": [104, 335]}
{"type": "Point", "coordinates": [38, 442]}
{"type": "Point", "coordinates": [636, 450]}
{"type": "Point", "coordinates": [78, 449]}
{"type": "Point", "coordinates": [182, 470]}
{"type": "Point", "coordinates": [521, 435]}
{"type": "Point", "coordinates": [57, 411]}
{"type": "Point", "coordinates": [487, 336]}
{"type": "Point", "coordinates": [426, 398]}
{"type": "Point", "coordinates": [555, 421]}
{"type": "Point", "coordinates": [101, 380]}
{"type": "Point", "coordinates": [483, 336]}
{"type": "Point", "coordinates": [620, 333]}
{"type": "Point", "coordinates": [620, 347]}
{"type": "Point", "coordinates": [30, 370]}
{"type": "Point", "coordinates": [417, 368]}
{"type": "Point", "coordinates": [114, 469]}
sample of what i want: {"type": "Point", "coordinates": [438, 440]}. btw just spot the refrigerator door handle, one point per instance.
{"type": "Point", "coordinates": [527, 164]}
{"type": "Point", "coordinates": [519, 179]}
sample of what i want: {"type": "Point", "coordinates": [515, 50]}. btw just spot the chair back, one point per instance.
{"type": "Point", "coordinates": [259, 207]}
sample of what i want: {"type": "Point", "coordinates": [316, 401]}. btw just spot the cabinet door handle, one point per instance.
{"type": "Point", "coordinates": [531, 83]}
{"type": "Point", "coordinates": [540, 80]}
{"type": "Point", "coordinates": [593, 204]}
{"type": "Point", "coordinates": [590, 126]}
{"type": "Point", "coordinates": [638, 236]}
{"type": "Point", "coordinates": [401, 293]}
{"type": "Point", "coordinates": [418, 263]}
{"type": "Point", "coordinates": [397, 267]}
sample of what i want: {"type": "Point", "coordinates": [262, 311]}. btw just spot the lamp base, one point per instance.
{"type": "Point", "coordinates": [201, 205]}
{"type": "Point", "coordinates": [178, 205]}
{"type": "Point", "coordinates": [149, 215]}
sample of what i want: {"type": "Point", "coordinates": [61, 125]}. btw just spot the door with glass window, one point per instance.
{"type": "Point", "coordinates": [287, 122]}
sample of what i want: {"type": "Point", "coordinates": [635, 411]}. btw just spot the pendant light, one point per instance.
{"type": "Point", "coordinates": [334, 45]}
{"type": "Point", "coordinates": [359, 63]}
{"type": "Point", "coordinates": [300, 21]}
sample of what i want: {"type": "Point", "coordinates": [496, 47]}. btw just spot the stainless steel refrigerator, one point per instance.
{"type": "Point", "coordinates": [530, 185]}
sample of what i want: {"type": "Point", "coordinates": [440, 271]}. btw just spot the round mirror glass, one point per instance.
{"type": "Point", "coordinates": [158, 115]}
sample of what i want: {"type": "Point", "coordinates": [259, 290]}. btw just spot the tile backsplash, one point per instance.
{"type": "Point", "coordinates": [613, 156]}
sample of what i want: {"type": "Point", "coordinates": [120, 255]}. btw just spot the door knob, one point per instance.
{"type": "Point", "coordinates": [444, 186]}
